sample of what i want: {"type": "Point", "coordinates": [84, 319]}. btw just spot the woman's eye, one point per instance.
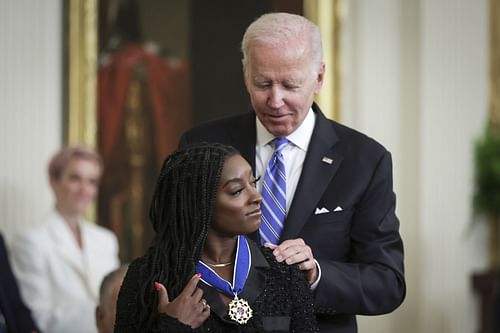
{"type": "Point", "coordinates": [237, 192]}
{"type": "Point", "coordinates": [256, 180]}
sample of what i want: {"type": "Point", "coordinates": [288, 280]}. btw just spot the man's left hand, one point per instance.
{"type": "Point", "coordinates": [296, 251]}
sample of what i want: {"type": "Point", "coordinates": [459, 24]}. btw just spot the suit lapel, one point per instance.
{"type": "Point", "coordinates": [93, 260]}
{"type": "Point", "coordinates": [253, 286]}
{"type": "Point", "coordinates": [256, 278]}
{"type": "Point", "coordinates": [243, 137]}
{"type": "Point", "coordinates": [69, 250]}
{"type": "Point", "coordinates": [66, 245]}
{"type": "Point", "coordinates": [315, 177]}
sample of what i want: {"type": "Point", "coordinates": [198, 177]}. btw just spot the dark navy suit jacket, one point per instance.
{"type": "Point", "coordinates": [17, 315]}
{"type": "Point", "coordinates": [357, 242]}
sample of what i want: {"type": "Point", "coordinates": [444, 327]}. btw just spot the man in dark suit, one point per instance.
{"type": "Point", "coordinates": [340, 227]}
{"type": "Point", "coordinates": [14, 315]}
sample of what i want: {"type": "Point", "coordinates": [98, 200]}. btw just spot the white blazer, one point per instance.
{"type": "Point", "coordinates": [58, 280]}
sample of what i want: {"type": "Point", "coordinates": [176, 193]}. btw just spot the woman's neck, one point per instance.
{"type": "Point", "coordinates": [219, 250]}
{"type": "Point", "coordinates": [70, 218]}
{"type": "Point", "coordinates": [72, 221]}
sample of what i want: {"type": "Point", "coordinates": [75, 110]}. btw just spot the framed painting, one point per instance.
{"type": "Point", "coordinates": [139, 73]}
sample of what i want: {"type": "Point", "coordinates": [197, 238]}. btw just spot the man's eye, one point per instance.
{"type": "Point", "coordinates": [262, 84]}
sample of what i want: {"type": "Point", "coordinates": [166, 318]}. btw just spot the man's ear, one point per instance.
{"type": "Point", "coordinates": [320, 78]}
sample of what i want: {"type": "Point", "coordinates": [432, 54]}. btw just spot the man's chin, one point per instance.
{"type": "Point", "coordinates": [279, 131]}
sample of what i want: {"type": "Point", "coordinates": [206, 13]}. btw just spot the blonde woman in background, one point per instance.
{"type": "Point", "coordinates": [61, 262]}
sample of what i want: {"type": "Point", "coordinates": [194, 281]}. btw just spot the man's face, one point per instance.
{"type": "Point", "coordinates": [106, 310]}
{"type": "Point", "coordinates": [282, 83]}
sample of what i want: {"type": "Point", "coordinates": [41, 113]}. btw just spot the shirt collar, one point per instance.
{"type": "Point", "coordinates": [300, 137]}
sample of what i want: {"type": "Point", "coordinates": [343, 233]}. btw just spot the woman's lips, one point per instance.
{"type": "Point", "coordinates": [256, 212]}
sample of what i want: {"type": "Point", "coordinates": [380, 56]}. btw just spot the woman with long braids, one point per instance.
{"type": "Point", "coordinates": [201, 273]}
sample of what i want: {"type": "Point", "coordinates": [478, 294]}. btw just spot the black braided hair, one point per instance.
{"type": "Point", "coordinates": [181, 210]}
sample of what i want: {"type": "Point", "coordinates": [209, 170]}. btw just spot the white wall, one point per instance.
{"type": "Point", "coordinates": [416, 80]}
{"type": "Point", "coordinates": [30, 107]}
{"type": "Point", "coordinates": [453, 97]}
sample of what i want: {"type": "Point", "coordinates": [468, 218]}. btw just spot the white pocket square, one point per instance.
{"type": "Point", "coordinates": [321, 211]}
{"type": "Point", "coordinates": [338, 209]}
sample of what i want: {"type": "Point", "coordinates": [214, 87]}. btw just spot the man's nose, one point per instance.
{"type": "Point", "coordinates": [275, 98]}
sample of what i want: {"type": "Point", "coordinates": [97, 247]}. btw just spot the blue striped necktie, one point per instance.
{"type": "Point", "coordinates": [274, 196]}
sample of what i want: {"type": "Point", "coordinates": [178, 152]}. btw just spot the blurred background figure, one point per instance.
{"type": "Point", "coordinates": [105, 311]}
{"type": "Point", "coordinates": [14, 315]}
{"type": "Point", "coordinates": [61, 262]}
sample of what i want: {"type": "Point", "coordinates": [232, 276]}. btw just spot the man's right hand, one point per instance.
{"type": "Point", "coordinates": [189, 307]}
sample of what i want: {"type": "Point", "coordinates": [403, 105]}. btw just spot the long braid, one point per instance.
{"type": "Point", "coordinates": [181, 211]}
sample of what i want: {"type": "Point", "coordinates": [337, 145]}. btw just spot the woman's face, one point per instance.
{"type": "Point", "coordinates": [76, 187]}
{"type": "Point", "coordinates": [237, 204]}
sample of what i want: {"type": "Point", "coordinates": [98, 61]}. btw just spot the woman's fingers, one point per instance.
{"type": "Point", "coordinates": [204, 303]}
{"type": "Point", "coordinates": [189, 307]}
{"type": "Point", "coordinates": [197, 295]}
{"type": "Point", "coordinates": [163, 299]}
{"type": "Point", "coordinates": [190, 288]}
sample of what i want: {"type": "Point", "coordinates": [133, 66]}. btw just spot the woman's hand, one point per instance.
{"type": "Point", "coordinates": [189, 307]}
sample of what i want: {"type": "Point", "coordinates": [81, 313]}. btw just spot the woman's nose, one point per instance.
{"type": "Point", "coordinates": [256, 196]}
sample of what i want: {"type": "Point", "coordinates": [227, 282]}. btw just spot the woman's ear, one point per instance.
{"type": "Point", "coordinates": [99, 318]}
{"type": "Point", "coordinates": [52, 183]}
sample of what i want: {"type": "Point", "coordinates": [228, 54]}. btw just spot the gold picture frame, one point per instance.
{"type": "Point", "coordinates": [81, 126]}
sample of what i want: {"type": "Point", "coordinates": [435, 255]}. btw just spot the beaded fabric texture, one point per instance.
{"type": "Point", "coordinates": [286, 294]}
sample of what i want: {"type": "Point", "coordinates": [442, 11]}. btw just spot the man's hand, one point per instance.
{"type": "Point", "coordinates": [189, 307]}
{"type": "Point", "coordinates": [295, 251]}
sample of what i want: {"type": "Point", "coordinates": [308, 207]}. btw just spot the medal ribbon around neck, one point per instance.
{"type": "Point", "coordinates": [239, 310]}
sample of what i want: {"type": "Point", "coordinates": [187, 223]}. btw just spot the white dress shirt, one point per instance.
{"type": "Point", "coordinates": [294, 155]}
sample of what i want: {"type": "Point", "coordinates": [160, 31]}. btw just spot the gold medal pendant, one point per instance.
{"type": "Point", "coordinates": [239, 310]}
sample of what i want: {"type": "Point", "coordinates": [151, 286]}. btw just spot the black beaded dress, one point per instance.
{"type": "Point", "coordinates": [278, 294]}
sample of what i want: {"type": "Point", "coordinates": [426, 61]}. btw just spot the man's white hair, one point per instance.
{"type": "Point", "coordinates": [281, 29]}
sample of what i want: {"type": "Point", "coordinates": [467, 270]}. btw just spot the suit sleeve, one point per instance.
{"type": "Point", "coordinates": [17, 310]}
{"type": "Point", "coordinates": [371, 280]}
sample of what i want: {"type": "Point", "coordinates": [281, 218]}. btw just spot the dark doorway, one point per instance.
{"type": "Point", "coordinates": [217, 29]}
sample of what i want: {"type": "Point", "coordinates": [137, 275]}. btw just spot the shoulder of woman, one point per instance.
{"type": "Point", "coordinates": [137, 265]}
{"type": "Point", "coordinates": [132, 280]}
